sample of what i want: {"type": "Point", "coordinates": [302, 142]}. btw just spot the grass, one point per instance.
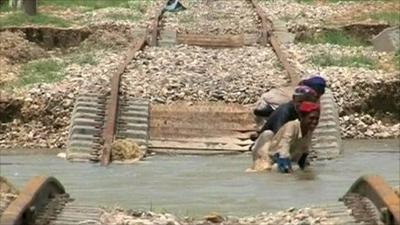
{"type": "Point", "coordinates": [19, 19]}
{"type": "Point", "coordinates": [91, 4]}
{"type": "Point", "coordinates": [337, 38]}
{"type": "Point", "coordinates": [124, 17]}
{"type": "Point", "coordinates": [392, 17]}
{"type": "Point", "coordinates": [327, 59]}
{"type": "Point", "coordinates": [41, 71]}
{"type": "Point", "coordinates": [48, 70]}
{"type": "Point", "coordinates": [334, 1]}
{"type": "Point", "coordinates": [83, 58]}
{"type": "Point", "coordinates": [5, 8]}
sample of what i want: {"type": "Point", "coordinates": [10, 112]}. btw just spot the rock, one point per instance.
{"type": "Point", "coordinates": [388, 40]}
{"type": "Point", "coordinates": [215, 218]}
{"type": "Point", "coordinates": [369, 133]}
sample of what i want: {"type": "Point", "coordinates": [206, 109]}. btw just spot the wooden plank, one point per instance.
{"type": "Point", "coordinates": [195, 146]}
{"type": "Point", "coordinates": [227, 144]}
{"type": "Point", "coordinates": [243, 119]}
{"type": "Point", "coordinates": [212, 41]}
{"type": "Point", "coordinates": [236, 141]}
{"type": "Point", "coordinates": [159, 132]}
{"type": "Point", "coordinates": [245, 126]}
{"type": "Point", "coordinates": [193, 152]}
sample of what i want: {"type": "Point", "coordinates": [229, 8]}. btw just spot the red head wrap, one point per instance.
{"type": "Point", "coordinates": [307, 107]}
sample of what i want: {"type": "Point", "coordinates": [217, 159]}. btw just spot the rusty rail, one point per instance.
{"type": "Point", "coordinates": [381, 194]}
{"type": "Point", "coordinates": [267, 35]}
{"type": "Point", "coordinates": [155, 27]}
{"type": "Point", "coordinates": [36, 194]}
{"type": "Point", "coordinates": [112, 107]}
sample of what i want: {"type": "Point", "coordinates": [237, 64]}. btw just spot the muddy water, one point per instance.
{"type": "Point", "coordinates": [195, 186]}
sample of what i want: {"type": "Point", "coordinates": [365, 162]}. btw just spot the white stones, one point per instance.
{"type": "Point", "coordinates": [304, 216]}
{"type": "Point", "coordinates": [198, 74]}
{"type": "Point", "coordinates": [300, 14]}
{"type": "Point", "coordinates": [217, 17]}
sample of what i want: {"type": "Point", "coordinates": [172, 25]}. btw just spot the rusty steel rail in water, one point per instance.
{"type": "Point", "coordinates": [382, 196]}
{"type": "Point", "coordinates": [267, 35]}
{"type": "Point", "coordinates": [112, 108]}
{"type": "Point", "coordinates": [34, 197]}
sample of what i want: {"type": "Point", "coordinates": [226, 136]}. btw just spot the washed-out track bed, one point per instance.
{"type": "Point", "coordinates": [192, 98]}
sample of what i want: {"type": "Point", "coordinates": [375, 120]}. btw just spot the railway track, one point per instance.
{"type": "Point", "coordinates": [99, 119]}
{"type": "Point", "coordinates": [370, 200]}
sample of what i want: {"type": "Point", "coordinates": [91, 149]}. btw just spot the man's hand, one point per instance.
{"type": "Point", "coordinates": [303, 162]}
{"type": "Point", "coordinates": [284, 164]}
{"type": "Point", "coordinates": [254, 136]}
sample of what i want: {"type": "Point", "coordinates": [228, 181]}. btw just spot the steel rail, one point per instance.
{"type": "Point", "coordinates": [268, 36]}
{"type": "Point", "coordinates": [112, 107]}
{"type": "Point", "coordinates": [155, 31]}
{"type": "Point", "coordinates": [381, 194]}
{"type": "Point", "coordinates": [34, 197]}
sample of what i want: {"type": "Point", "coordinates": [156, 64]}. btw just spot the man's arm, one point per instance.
{"type": "Point", "coordinates": [264, 111]}
{"type": "Point", "coordinates": [286, 134]}
{"type": "Point", "coordinates": [277, 119]}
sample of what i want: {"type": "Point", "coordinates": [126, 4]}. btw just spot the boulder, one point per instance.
{"type": "Point", "coordinates": [388, 40]}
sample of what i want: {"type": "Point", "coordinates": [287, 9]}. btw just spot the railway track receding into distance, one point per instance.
{"type": "Point", "coordinates": [181, 128]}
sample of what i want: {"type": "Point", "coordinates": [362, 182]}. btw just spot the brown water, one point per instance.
{"type": "Point", "coordinates": [197, 185]}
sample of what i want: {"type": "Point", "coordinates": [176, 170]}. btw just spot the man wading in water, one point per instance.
{"type": "Point", "coordinates": [290, 144]}
{"type": "Point", "coordinates": [273, 99]}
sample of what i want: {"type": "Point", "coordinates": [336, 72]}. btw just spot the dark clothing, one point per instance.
{"type": "Point", "coordinates": [264, 112]}
{"type": "Point", "coordinates": [283, 114]}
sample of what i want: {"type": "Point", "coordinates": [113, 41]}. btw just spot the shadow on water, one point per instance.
{"type": "Point", "coordinates": [195, 185]}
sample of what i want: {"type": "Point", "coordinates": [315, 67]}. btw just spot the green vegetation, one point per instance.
{"type": "Point", "coordinates": [90, 4]}
{"type": "Point", "coordinates": [51, 70]}
{"type": "Point", "coordinates": [337, 38]}
{"type": "Point", "coordinates": [343, 61]}
{"type": "Point", "coordinates": [126, 17]}
{"type": "Point", "coordinates": [5, 8]}
{"type": "Point", "coordinates": [392, 17]}
{"type": "Point", "coordinates": [48, 14]}
{"type": "Point", "coordinates": [333, 1]}
{"type": "Point", "coordinates": [19, 19]}
{"type": "Point", "coordinates": [139, 5]}
{"type": "Point", "coordinates": [41, 71]}
{"type": "Point", "coordinates": [82, 58]}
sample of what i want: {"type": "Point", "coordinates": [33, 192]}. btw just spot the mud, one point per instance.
{"type": "Point", "coordinates": [360, 31]}
{"type": "Point", "coordinates": [52, 37]}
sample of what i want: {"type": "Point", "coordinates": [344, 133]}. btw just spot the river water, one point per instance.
{"type": "Point", "coordinates": [197, 185]}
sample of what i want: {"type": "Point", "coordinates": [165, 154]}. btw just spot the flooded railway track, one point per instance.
{"type": "Point", "coordinates": [370, 200]}
{"type": "Point", "coordinates": [98, 119]}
